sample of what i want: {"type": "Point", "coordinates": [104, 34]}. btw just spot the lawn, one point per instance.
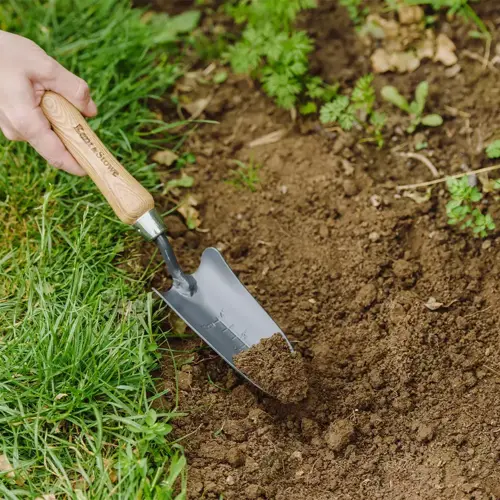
{"type": "Point", "coordinates": [78, 335]}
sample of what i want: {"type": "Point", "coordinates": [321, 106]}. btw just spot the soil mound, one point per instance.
{"type": "Point", "coordinates": [275, 369]}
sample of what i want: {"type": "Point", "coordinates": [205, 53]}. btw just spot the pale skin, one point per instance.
{"type": "Point", "coordinates": [26, 73]}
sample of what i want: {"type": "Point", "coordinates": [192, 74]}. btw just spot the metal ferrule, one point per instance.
{"type": "Point", "coordinates": [150, 225]}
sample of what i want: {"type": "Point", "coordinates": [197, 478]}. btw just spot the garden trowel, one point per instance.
{"type": "Point", "coordinates": [212, 301]}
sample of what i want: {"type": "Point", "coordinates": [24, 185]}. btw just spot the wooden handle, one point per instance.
{"type": "Point", "coordinates": [126, 196]}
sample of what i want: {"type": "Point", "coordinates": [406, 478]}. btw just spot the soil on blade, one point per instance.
{"type": "Point", "coordinates": [275, 369]}
{"type": "Point", "coordinates": [402, 400]}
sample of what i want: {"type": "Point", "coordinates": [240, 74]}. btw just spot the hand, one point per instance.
{"type": "Point", "coordinates": [26, 73]}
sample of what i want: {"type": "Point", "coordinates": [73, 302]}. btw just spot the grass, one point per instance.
{"type": "Point", "coordinates": [78, 335]}
{"type": "Point", "coordinates": [245, 176]}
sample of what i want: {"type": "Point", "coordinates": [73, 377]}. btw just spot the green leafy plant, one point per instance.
{"type": "Point", "coordinates": [464, 210]}
{"type": "Point", "coordinates": [415, 109]}
{"type": "Point", "coordinates": [245, 176]}
{"type": "Point", "coordinates": [358, 108]}
{"type": "Point", "coordinates": [273, 52]}
{"type": "Point", "coordinates": [493, 150]}
{"type": "Point", "coordinates": [355, 11]}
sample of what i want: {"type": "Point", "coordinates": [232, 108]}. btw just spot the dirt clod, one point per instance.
{"type": "Point", "coordinates": [275, 369]}
{"type": "Point", "coordinates": [339, 434]}
{"type": "Point", "coordinates": [425, 433]}
{"type": "Point", "coordinates": [235, 457]}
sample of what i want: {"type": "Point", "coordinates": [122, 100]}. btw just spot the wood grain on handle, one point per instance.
{"type": "Point", "coordinates": [126, 196]}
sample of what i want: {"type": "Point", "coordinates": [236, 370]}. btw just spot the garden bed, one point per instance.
{"type": "Point", "coordinates": [403, 392]}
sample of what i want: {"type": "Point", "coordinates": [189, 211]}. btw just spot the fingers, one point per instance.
{"type": "Point", "coordinates": [36, 130]}
{"type": "Point", "coordinates": [57, 78]}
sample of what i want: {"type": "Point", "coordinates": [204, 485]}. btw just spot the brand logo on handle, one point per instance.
{"type": "Point", "coordinates": [100, 154]}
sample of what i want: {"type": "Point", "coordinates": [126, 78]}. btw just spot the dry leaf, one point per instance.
{"type": "Point", "coordinates": [445, 51]}
{"type": "Point", "coordinates": [49, 496]}
{"type": "Point", "coordinates": [433, 305]}
{"type": "Point", "coordinates": [60, 396]}
{"type": "Point", "coordinates": [165, 157]}
{"type": "Point", "coordinates": [5, 467]}
{"type": "Point", "coordinates": [188, 211]}
{"type": "Point", "coordinates": [196, 108]}
{"type": "Point", "coordinates": [410, 14]}
{"type": "Point", "coordinates": [418, 197]}
{"type": "Point", "coordinates": [268, 139]}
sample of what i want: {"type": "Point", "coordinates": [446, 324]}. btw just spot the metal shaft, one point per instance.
{"type": "Point", "coordinates": [184, 282]}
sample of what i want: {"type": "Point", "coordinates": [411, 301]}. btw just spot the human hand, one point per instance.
{"type": "Point", "coordinates": [26, 73]}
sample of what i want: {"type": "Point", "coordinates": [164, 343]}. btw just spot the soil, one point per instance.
{"type": "Point", "coordinates": [403, 401]}
{"type": "Point", "coordinates": [275, 369]}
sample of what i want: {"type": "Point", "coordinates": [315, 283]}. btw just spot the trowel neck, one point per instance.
{"type": "Point", "coordinates": [181, 280]}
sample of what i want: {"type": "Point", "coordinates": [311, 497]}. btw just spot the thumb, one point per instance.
{"type": "Point", "coordinates": [70, 86]}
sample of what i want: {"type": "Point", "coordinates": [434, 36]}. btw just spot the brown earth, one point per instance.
{"type": "Point", "coordinates": [403, 401]}
{"type": "Point", "coordinates": [275, 369]}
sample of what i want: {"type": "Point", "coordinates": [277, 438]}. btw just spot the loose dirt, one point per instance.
{"type": "Point", "coordinates": [275, 369]}
{"type": "Point", "coordinates": [402, 400]}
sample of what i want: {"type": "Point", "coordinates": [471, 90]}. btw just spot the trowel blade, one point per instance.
{"type": "Point", "coordinates": [221, 310]}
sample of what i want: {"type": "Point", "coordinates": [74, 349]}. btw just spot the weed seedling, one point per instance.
{"type": "Point", "coordinates": [356, 109]}
{"type": "Point", "coordinates": [272, 51]}
{"type": "Point", "coordinates": [245, 176]}
{"type": "Point", "coordinates": [463, 209]}
{"type": "Point", "coordinates": [415, 109]}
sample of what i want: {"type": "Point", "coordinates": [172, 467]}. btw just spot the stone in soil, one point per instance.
{"type": "Point", "coordinates": [276, 370]}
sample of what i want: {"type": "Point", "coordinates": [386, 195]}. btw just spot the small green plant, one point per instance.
{"type": "Point", "coordinates": [464, 210]}
{"type": "Point", "coordinates": [493, 150]}
{"type": "Point", "coordinates": [245, 176]}
{"type": "Point", "coordinates": [276, 54]}
{"type": "Point", "coordinates": [415, 109]}
{"type": "Point", "coordinates": [356, 109]}
{"type": "Point", "coordinates": [355, 11]}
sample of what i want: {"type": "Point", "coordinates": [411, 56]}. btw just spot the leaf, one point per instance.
{"type": "Point", "coordinates": [169, 28]}
{"type": "Point", "coordinates": [331, 111]}
{"type": "Point", "coordinates": [165, 157]}
{"type": "Point", "coordinates": [271, 138]}
{"type": "Point", "coordinates": [188, 210]}
{"type": "Point", "coordinates": [196, 108]}
{"type": "Point", "coordinates": [418, 197]}
{"type": "Point", "coordinates": [308, 108]}
{"type": "Point", "coordinates": [433, 305]}
{"type": "Point", "coordinates": [433, 120]}
{"type": "Point", "coordinates": [493, 150]}
{"type": "Point", "coordinates": [184, 181]}
{"type": "Point", "coordinates": [391, 94]}
{"type": "Point", "coordinates": [151, 417]}
{"type": "Point", "coordinates": [177, 465]}
{"type": "Point", "coordinates": [421, 94]}
{"type": "Point", "coordinates": [220, 77]}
